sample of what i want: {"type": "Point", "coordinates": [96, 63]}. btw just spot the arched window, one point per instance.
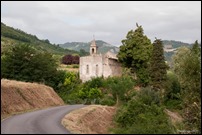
{"type": "Point", "coordinates": [87, 69]}
{"type": "Point", "coordinates": [96, 70]}
{"type": "Point", "coordinates": [93, 50]}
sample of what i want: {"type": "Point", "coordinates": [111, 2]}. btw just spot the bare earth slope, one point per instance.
{"type": "Point", "coordinates": [93, 119]}
{"type": "Point", "coordinates": [19, 96]}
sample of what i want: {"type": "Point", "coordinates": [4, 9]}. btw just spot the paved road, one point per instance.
{"type": "Point", "coordinates": [47, 121]}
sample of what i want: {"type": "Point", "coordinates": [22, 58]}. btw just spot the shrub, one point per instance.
{"type": "Point", "coordinates": [69, 59]}
{"type": "Point", "coordinates": [24, 63]}
{"type": "Point", "coordinates": [172, 87]}
{"type": "Point", "coordinates": [119, 86]}
{"type": "Point", "coordinates": [108, 100]}
{"type": "Point", "coordinates": [148, 96]}
{"type": "Point", "coordinates": [90, 92]}
{"type": "Point", "coordinates": [174, 104]}
{"type": "Point", "coordinates": [95, 82]}
{"type": "Point", "coordinates": [141, 115]}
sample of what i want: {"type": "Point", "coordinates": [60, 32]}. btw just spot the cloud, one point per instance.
{"type": "Point", "coordinates": [68, 21]}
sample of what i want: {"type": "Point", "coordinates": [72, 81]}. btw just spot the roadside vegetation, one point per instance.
{"type": "Point", "coordinates": [142, 110]}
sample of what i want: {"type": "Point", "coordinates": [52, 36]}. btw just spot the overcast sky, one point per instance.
{"type": "Point", "coordinates": [70, 21]}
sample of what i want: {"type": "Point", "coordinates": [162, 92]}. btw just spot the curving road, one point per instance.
{"type": "Point", "coordinates": [47, 121]}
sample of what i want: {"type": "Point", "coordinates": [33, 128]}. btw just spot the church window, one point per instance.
{"type": "Point", "coordinates": [96, 71]}
{"type": "Point", "coordinates": [87, 69]}
{"type": "Point", "coordinates": [93, 50]}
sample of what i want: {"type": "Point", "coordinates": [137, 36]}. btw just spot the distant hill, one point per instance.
{"type": "Point", "coordinates": [176, 44]}
{"type": "Point", "coordinates": [103, 47]}
{"type": "Point", "coordinates": [11, 36]}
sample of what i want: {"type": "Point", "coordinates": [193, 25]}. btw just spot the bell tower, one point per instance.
{"type": "Point", "coordinates": [93, 47]}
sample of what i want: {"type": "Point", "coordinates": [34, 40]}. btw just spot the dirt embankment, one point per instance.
{"type": "Point", "coordinates": [19, 96]}
{"type": "Point", "coordinates": [93, 119]}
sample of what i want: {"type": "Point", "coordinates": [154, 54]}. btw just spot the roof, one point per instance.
{"type": "Point", "coordinates": [111, 55]}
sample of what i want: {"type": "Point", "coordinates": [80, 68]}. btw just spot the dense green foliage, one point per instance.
{"type": "Point", "coordinates": [83, 52]}
{"type": "Point", "coordinates": [172, 95]}
{"type": "Point", "coordinates": [158, 66]}
{"type": "Point", "coordinates": [142, 115]}
{"type": "Point", "coordinates": [119, 87]}
{"type": "Point", "coordinates": [24, 63]}
{"type": "Point", "coordinates": [135, 53]}
{"type": "Point", "coordinates": [187, 66]}
{"type": "Point", "coordinates": [98, 90]}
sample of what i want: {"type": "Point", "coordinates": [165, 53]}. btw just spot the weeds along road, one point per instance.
{"type": "Point", "coordinates": [47, 121]}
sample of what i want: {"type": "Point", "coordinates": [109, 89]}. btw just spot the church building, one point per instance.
{"type": "Point", "coordinates": [97, 65]}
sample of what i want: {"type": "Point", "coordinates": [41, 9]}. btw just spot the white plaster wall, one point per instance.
{"type": "Point", "coordinates": [106, 67]}
{"type": "Point", "coordinates": [92, 61]}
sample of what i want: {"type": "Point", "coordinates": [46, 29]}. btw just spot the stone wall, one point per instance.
{"type": "Point", "coordinates": [112, 68]}
{"type": "Point", "coordinates": [98, 65]}
{"type": "Point", "coordinates": [90, 66]}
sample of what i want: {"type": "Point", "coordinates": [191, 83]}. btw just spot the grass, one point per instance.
{"type": "Point", "coordinates": [70, 68]}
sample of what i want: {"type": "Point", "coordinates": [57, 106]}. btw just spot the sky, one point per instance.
{"type": "Point", "coordinates": [110, 21]}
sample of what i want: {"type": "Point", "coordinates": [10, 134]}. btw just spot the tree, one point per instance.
{"type": "Point", "coordinates": [24, 63]}
{"type": "Point", "coordinates": [135, 53]}
{"type": "Point", "coordinates": [187, 66]}
{"type": "Point", "coordinates": [82, 52]}
{"type": "Point", "coordinates": [75, 59]}
{"type": "Point", "coordinates": [158, 66]}
{"type": "Point", "coordinates": [67, 59]}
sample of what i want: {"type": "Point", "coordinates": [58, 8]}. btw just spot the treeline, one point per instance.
{"type": "Point", "coordinates": [16, 34]}
{"type": "Point", "coordinates": [21, 37]}
{"type": "Point", "coordinates": [25, 63]}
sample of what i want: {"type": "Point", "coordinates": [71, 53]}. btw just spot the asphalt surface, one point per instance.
{"type": "Point", "coordinates": [47, 121]}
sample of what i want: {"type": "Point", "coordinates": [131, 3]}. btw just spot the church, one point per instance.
{"type": "Point", "coordinates": [97, 65]}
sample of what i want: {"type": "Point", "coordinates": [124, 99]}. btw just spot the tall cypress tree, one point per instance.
{"type": "Point", "coordinates": [135, 53]}
{"type": "Point", "coordinates": [158, 66]}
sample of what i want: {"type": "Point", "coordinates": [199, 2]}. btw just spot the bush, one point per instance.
{"type": "Point", "coordinates": [24, 63]}
{"type": "Point", "coordinates": [68, 87]}
{"type": "Point", "coordinates": [141, 115]}
{"type": "Point", "coordinates": [172, 96]}
{"type": "Point", "coordinates": [107, 100]}
{"type": "Point", "coordinates": [172, 87]}
{"type": "Point", "coordinates": [95, 82]}
{"type": "Point", "coordinates": [148, 96]}
{"type": "Point", "coordinates": [69, 59]}
{"type": "Point", "coordinates": [173, 104]}
{"type": "Point", "coordinates": [119, 86]}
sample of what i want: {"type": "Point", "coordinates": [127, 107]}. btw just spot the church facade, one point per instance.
{"type": "Point", "coordinates": [97, 65]}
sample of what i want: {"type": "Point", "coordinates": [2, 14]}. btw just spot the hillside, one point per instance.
{"type": "Point", "coordinates": [175, 44]}
{"type": "Point", "coordinates": [103, 47]}
{"type": "Point", "coordinates": [19, 96]}
{"type": "Point", "coordinates": [11, 36]}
